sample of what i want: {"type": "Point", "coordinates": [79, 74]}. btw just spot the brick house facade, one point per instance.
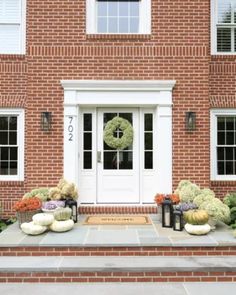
{"type": "Point", "coordinates": [58, 48]}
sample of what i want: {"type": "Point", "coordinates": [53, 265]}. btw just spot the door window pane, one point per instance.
{"type": "Point", "coordinates": [87, 141]}
{"type": "Point", "coordinates": [148, 141]}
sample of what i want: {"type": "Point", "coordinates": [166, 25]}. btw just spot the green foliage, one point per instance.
{"type": "Point", "coordinates": [41, 193]}
{"type": "Point", "coordinates": [230, 201]}
{"type": "Point", "coordinates": [187, 191]}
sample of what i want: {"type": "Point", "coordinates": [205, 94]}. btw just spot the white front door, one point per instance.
{"type": "Point", "coordinates": [118, 170]}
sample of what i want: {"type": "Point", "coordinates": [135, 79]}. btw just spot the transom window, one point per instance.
{"type": "Point", "coordinates": [12, 26]}
{"type": "Point", "coordinates": [11, 145]}
{"type": "Point", "coordinates": [118, 16]}
{"type": "Point", "coordinates": [224, 26]}
{"type": "Point", "coordinates": [224, 145]}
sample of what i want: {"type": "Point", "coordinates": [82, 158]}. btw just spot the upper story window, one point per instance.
{"type": "Point", "coordinates": [223, 144]}
{"type": "Point", "coordinates": [12, 26]}
{"type": "Point", "coordinates": [118, 17]}
{"type": "Point", "coordinates": [224, 26]}
{"type": "Point", "coordinates": [11, 144]}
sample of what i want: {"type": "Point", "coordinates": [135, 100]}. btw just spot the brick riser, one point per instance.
{"type": "Point", "coordinates": [117, 210]}
{"type": "Point", "coordinates": [86, 277]}
{"type": "Point", "coordinates": [118, 251]}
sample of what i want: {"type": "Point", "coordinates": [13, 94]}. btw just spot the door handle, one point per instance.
{"type": "Point", "coordinates": [99, 156]}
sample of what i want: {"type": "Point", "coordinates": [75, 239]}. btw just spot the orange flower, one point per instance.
{"type": "Point", "coordinates": [159, 198]}
{"type": "Point", "coordinates": [28, 204]}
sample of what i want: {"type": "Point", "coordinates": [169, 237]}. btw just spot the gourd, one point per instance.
{"type": "Point", "coordinates": [197, 229]}
{"type": "Point", "coordinates": [62, 226]}
{"type": "Point", "coordinates": [196, 217]}
{"type": "Point", "coordinates": [30, 228]}
{"type": "Point", "coordinates": [43, 219]}
{"type": "Point", "coordinates": [62, 214]}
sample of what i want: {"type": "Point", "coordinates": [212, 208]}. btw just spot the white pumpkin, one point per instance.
{"type": "Point", "coordinates": [43, 219]}
{"type": "Point", "coordinates": [30, 228]}
{"type": "Point", "coordinates": [197, 229]}
{"type": "Point", "coordinates": [61, 226]}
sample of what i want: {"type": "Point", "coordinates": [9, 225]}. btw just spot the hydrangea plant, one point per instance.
{"type": "Point", "coordinates": [187, 191]}
{"type": "Point", "coordinates": [205, 195]}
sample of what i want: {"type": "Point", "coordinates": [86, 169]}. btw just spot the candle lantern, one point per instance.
{"type": "Point", "coordinates": [178, 221]}
{"type": "Point", "coordinates": [73, 205]}
{"type": "Point", "coordinates": [167, 213]}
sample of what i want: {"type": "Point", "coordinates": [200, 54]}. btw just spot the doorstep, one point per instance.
{"type": "Point", "coordinates": [152, 235]}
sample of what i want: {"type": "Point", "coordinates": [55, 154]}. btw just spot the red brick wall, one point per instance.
{"type": "Point", "coordinates": [58, 48]}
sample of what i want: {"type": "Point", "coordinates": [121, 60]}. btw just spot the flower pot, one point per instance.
{"type": "Point", "coordinates": [26, 216]}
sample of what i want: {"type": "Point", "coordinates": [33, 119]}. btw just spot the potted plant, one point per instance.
{"type": "Point", "coordinates": [26, 208]}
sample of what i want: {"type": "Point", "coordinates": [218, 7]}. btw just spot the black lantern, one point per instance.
{"type": "Point", "coordinates": [190, 121]}
{"type": "Point", "coordinates": [46, 121]}
{"type": "Point", "coordinates": [178, 221]}
{"type": "Point", "coordinates": [167, 213]}
{"type": "Point", "coordinates": [73, 205]}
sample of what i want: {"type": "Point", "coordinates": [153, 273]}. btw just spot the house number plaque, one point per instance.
{"type": "Point", "coordinates": [70, 129]}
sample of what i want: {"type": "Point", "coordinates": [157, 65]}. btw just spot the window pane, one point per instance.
{"type": "Point", "coordinates": [230, 123]}
{"type": "Point", "coordinates": [148, 145]}
{"type": "Point", "coordinates": [87, 141]}
{"type": "Point", "coordinates": [110, 160]}
{"type": "Point", "coordinates": [223, 39]}
{"type": "Point", "coordinates": [124, 25]}
{"type": "Point", "coordinates": [13, 168]}
{"type": "Point", "coordinates": [148, 160]}
{"type": "Point", "coordinates": [3, 137]}
{"type": "Point", "coordinates": [113, 8]}
{"type": "Point", "coordinates": [87, 160]}
{"type": "Point", "coordinates": [3, 123]}
{"type": "Point", "coordinates": [113, 25]}
{"type": "Point", "coordinates": [10, 38]}
{"type": "Point", "coordinates": [134, 8]}
{"type": "Point", "coordinates": [221, 123]}
{"type": "Point", "coordinates": [220, 153]}
{"type": "Point", "coordinates": [221, 138]}
{"type": "Point", "coordinates": [12, 138]}
{"type": "Point", "coordinates": [134, 25]}
{"type": "Point", "coordinates": [229, 138]}
{"type": "Point", "coordinates": [102, 25]}
{"type": "Point", "coordinates": [229, 153]}
{"type": "Point", "coordinates": [87, 122]}
{"type": "Point", "coordinates": [229, 167]}
{"type": "Point", "coordinates": [220, 168]}
{"type": "Point", "coordinates": [109, 116]}
{"type": "Point", "coordinates": [4, 154]}
{"type": "Point", "coordinates": [125, 160]}
{"type": "Point", "coordinates": [127, 116]}
{"type": "Point", "coordinates": [102, 8]}
{"type": "Point", "coordinates": [224, 11]}
{"type": "Point", "coordinates": [148, 122]}
{"type": "Point", "coordinates": [13, 123]}
{"type": "Point", "coordinates": [13, 153]}
{"type": "Point", "coordinates": [4, 168]}
{"type": "Point", "coordinates": [123, 8]}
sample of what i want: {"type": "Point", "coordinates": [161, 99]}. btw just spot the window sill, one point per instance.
{"type": "Point", "coordinates": [223, 56]}
{"type": "Point", "coordinates": [221, 183]}
{"type": "Point", "coordinates": [111, 37]}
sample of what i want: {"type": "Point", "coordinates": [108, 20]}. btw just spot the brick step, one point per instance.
{"type": "Point", "coordinates": [117, 269]}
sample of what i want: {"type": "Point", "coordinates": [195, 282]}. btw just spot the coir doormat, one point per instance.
{"type": "Point", "coordinates": [117, 220]}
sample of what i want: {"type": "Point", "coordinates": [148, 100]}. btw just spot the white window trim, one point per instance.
{"type": "Point", "coordinates": [22, 31]}
{"type": "Point", "coordinates": [20, 140]}
{"type": "Point", "coordinates": [145, 19]}
{"type": "Point", "coordinates": [214, 31]}
{"type": "Point", "coordinates": [213, 139]}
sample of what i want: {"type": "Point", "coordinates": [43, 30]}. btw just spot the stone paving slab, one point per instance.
{"type": "Point", "coordinates": [117, 236]}
{"type": "Point", "coordinates": [119, 288]}
{"type": "Point", "coordinates": [114, 263]}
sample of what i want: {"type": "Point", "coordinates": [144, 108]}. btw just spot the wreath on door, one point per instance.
{"type": "Point", "coordinates": [127, 137]}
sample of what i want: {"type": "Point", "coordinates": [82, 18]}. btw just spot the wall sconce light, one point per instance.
{"type": "Point", "coordinates": [190, 121]}
{"type": "Point", "coordinates": [46, 121]}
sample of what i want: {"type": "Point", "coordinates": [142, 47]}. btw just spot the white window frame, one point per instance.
{"type": "Point", "coordinates": [20, 142]}
{"type": "Point", "coordinates": [145, 18]}
{"type": "Point", "coordinates": [213, 128]}
{"type": "Point", "coordinates": [214, 31]}
{"type": "Point", "coordinates": [22, 36]}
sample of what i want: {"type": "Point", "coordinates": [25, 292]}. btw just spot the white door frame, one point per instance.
{"type": "Point", "coordinates": [107, 93]}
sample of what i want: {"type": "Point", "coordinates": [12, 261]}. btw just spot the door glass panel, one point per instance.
{"type": "Point", "coordinates": [87, 141]}
{"type": "Point", "coordinates": [115, 159]}
{"type": "Point", "coordinates": [148, 141]}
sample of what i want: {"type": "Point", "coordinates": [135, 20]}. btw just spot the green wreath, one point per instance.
{"type": "Point", "coordinates": [127, 137]}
